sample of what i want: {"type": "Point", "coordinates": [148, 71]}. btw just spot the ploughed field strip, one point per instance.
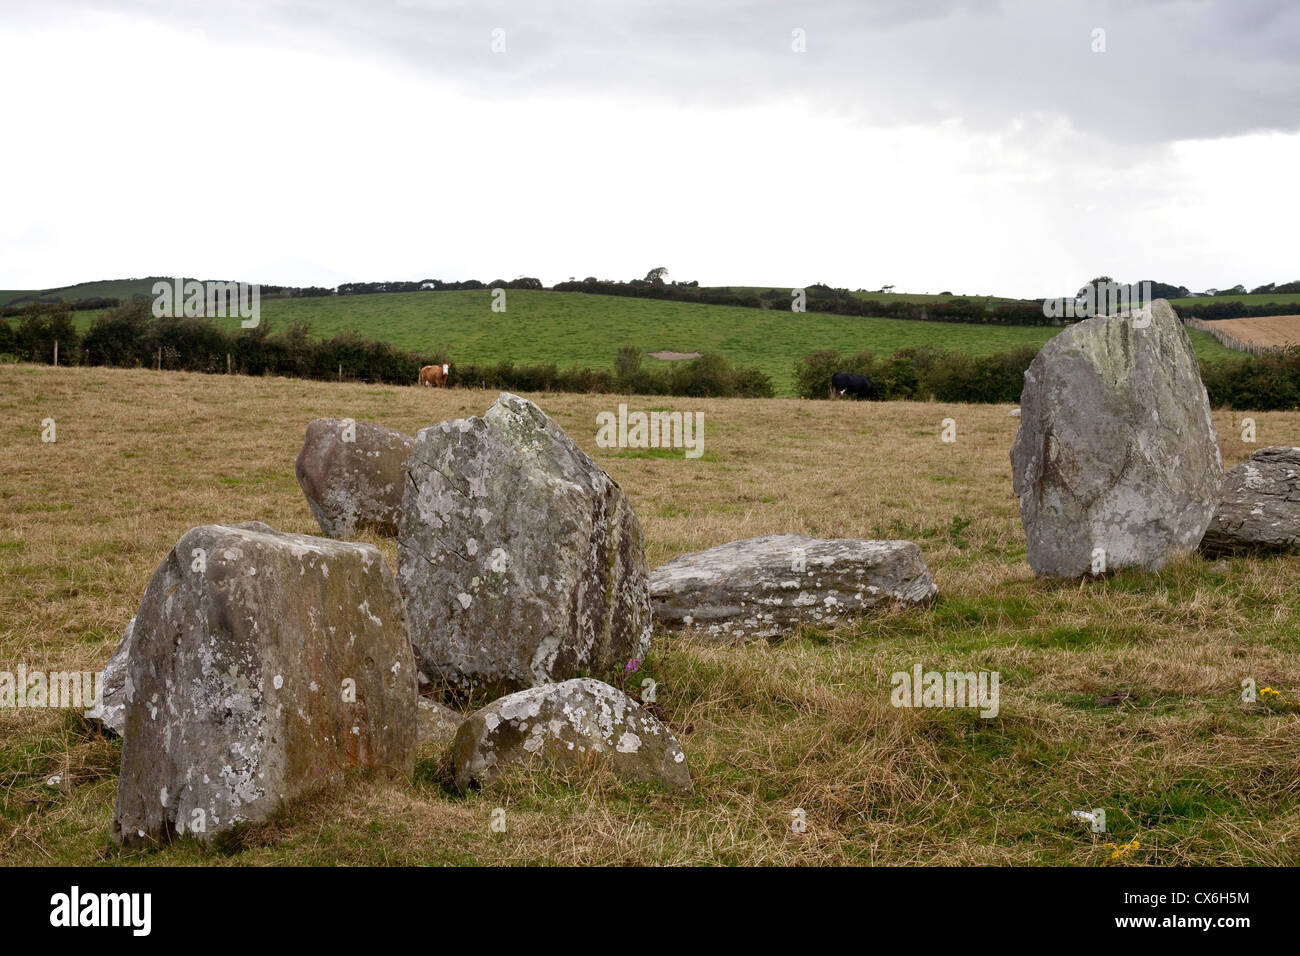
{"type": "Point", "coordinates": [464, 630]}
{"type": "Point", "coordinates": [1272, 331]}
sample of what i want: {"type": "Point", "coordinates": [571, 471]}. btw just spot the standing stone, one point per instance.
{"type": "Point", "coordinates": [766, 587]}
{"type": "Point", "coordinates": [520, 560]}
{"type": "Point", "coordinates": [352, 474]}
{"type": "Point", "coordinates": [263, 666]}
{"type": "Point", "coordinates": [1259, 509]}
{"type": "Point", "coordinates": [1116, 462]}
{"type": "Point", "coordinates": [109, 711]}
{"type": "Point", "coordinates": [561, 723]}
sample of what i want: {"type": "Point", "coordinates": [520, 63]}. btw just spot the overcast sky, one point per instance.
{"type": "Point", "coordinates": [977, 146]}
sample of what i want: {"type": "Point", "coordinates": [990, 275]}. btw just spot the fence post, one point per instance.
{"type": "Point", "coordinates": [340, 371]}
{"type": "Point", "coordinates": [227, 363]}
{"type": "Point", "coordinates": [158, 360]}
{"type": "Point", "coordinates": [56, 353]}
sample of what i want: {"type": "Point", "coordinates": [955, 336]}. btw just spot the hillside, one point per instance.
{"type": "Point", "coordinates": [104, 288]}
{"type": "Point", "coordinates": [572, 328]}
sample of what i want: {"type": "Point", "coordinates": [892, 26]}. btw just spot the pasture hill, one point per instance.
{"type": "Point", "coordinates": [584, 330]}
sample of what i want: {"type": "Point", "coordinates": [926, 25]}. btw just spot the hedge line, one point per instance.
{"type": "Point", "coordinates": [1260, 383]}
{"type": "Point", "coordinates": [130, 336]}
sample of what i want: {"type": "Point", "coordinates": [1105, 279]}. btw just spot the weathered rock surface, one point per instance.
{"type": "Point", "coordinates": [765, 587]}
{"type": "Point", "coordinates": [263, 665]}
{"type": "Point", "coordinates": [110, 709]}
{"type": "Point", "coordinates": [520, 560]}
{"type": "Point", "coordinates": [435, 725]}
{"type": "Point", "coordinates": [1116, 462]}
{"type": "Point", "coordinates": [352, 474]}
{"type": "Point", "coordinates": [1259, 509]}
{"type": "Point", "coordinates": [561, 723]}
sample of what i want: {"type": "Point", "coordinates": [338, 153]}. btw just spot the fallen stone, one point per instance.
{"type": "Point", "coordinates": [109, 710]}
{"type": "Point", "coordinates": [263, 665]}
{"type": "Point", "coordinates": [352, 474]}
{"type": "Point", "coordinates": [768, 586]}
{"type": "Point", "coordinates": [1259, 509]}
{"type": "Point", "coordinates": [1116, 462]}
{"type": "Point", "coordinates": [560, 723]}
{"type": "Point", "coordinates": [520, 560]}
{"type": "Point", "coordinates": [435, 725]}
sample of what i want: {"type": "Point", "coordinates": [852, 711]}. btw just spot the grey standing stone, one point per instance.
{"type": "Point", "coordinates": [110, 710]}
{"type": "Point", "coordinates": [1259, 509]}
{"type": "Point", "coordinates": [352, 475]}
{"type": "Point", "coordinates": [520, 560]}
{"type": "Point", "coordinates": [561, 723]}
{"type": "Point", "coordinates": [264, 665]}
{"type": "Point", "coordinates": [1116, 462]}
{"type": "Point", "coordinates": [766, 587]}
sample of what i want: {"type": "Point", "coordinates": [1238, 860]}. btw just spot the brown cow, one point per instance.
{"type": "Point", "coordinates": [435, 375]}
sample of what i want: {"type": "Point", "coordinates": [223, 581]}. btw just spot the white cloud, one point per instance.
{"type": "Point", "coordinates": [186, 145]}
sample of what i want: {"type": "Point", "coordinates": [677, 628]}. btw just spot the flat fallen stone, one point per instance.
{"type": "Point", "coordinates": [768, 586]}
{"type": "Point", "coordinates": [561, 723]}
{"type": "Point", "coordinates": [1259, 509]}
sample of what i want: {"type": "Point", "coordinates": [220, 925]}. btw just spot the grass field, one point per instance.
{"type": "Point", "coordinates": [1273, 331]}
{"type": "Point", "coordinates": [575, 329]}
{"type": "Point", "coordinates": [107, 288]}
{"type": "Point", "coordinates": [912, 297]}
{"type": "Point", "coordinates": [1284, 298]}
{"type": "Point", "coordinates": [1183, 767]}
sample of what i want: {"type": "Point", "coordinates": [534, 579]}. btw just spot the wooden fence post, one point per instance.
{"type": "Point", "coordinates": [56, 353]}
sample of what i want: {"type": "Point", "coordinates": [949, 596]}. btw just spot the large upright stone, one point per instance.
{"type": "Point", "coordinates": [768, 586]}
{"type": "Point", "coordinates": [352, 474]}
{"type": "Point", "coordinates": [1116, 462]}
{"type": "Point", "coordinates": [520, 560]}
{"type": "Point", "coordinates": [1259, 509]}
{"type": "Point", "coordinates": [262, 666]}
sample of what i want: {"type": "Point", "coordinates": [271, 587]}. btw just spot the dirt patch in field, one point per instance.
{"type": "Point", "coordinates": [674, 356]}
{"type": "Point", "coordinates": [1271, 331]}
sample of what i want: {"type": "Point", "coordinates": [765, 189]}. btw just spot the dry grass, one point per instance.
{"type": "Point", "coordinates": [1184, 767]}
{"type": "Point", "coordinates": [1273, 331]}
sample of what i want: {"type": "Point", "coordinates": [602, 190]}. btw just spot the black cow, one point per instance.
{"type": "Point", "coordinates": [857, 386]}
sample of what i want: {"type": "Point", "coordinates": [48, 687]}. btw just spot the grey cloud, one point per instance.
{"type": "Point", "coordinates": [1173, 68]}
